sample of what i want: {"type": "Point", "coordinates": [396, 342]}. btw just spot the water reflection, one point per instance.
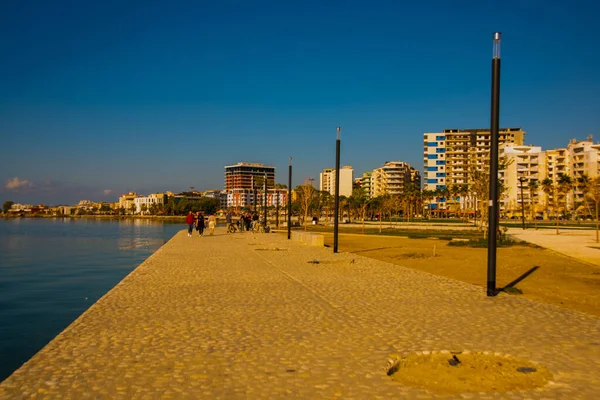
{"type": "Point", "coordinates": [51, 270]}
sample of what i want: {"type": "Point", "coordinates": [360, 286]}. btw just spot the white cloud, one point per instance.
{"type": "Point", "coordinates": [107, 192]}
{"type": "Point", "coordinates": [17, 184]}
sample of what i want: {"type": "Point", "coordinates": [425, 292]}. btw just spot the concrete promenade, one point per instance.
{"type": "Point", "coordinates": [247, 316]}
{"type": "Point", "coordinates": [576, 243]}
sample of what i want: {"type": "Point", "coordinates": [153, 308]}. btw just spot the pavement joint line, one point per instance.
{"type": "Point", "coordinates": [297, 281]}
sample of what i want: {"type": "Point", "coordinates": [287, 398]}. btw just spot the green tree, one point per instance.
{"type": "Point", "coordinates": [209, 205]}
{"type": "Point", "coordinates": [183, 207]}
{"type": "Point", "coordinates": [132, 208]}
{"type": "Point", "coordinates": [171, 207]}
{"type": "Point", "coordinates": [144, 208]}
{"type": "Point", "coordinates": [7, 205]}
{"type": "Point", "coordinates": [594, 194]}
{"type": "Point", "coordinates": [360, 201]}
{"type": "Point", "coordinates": [306, 197]}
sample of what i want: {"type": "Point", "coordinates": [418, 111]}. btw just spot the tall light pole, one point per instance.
{"type": "Point", "coordinates": [493, 202]}
{"type": "Point", "coordinates": [265, 207]}
{"type": "Point", "coordinates": [289, 201]}
{"type": "Point", "coordinates": [522, 181]}
{"type": "Point", "coordinates": [253, 195]}
{"type": "Point", "coordinates": [337, 191]}
{"type": "Point", "coordinates": [276, 194]}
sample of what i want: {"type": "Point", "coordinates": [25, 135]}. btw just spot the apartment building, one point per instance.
{"type": "Point", "coordinates": [245, 175]}
{"type": "Point", "coordinates": [244, 180]}
{"type": "Point", "coordinates": [584, 160]}
{"type": "Point", "coordinates": [448, 156]}
{"type": "Point", "coordinates": [127, 200]}
{"type": "Point", "coordinates": [579, 158]}
{"type": "Point", "coordinates": [524, 165]}
{"type": "Point", "coordinates": [365, 183]}
{"type": "Point", "coordinates": [393, 178]}
{"type": "Point", "coordinates": [243, 198]}
{"type": "Point", "coordinates": [327, 180]}
{"type": "Point", "coordinates": [147, 201]}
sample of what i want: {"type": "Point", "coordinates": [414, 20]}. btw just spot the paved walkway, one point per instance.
{"type": "Point", "coordinates": [247, 316]}
{"type": "Point", "coordinates": [576, 243]}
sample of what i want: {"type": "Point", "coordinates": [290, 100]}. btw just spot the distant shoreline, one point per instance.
{"type": "Point", "coordinates": [157, 217]}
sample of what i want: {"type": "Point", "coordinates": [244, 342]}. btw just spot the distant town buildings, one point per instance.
{"type": "Point", "coordinates": [327, 180]}
{"type": "Point", "coordinates": [532, 180]}
{"type": "Point", "coordinates": [144, 203]}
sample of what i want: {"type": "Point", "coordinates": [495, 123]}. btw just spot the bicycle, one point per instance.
{"type": "Point", "coordinates": [232, 228]}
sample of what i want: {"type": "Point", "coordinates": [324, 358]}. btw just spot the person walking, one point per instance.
{"type": "Point", "coordinates": [228, 220]}
{"type": "Point", "coordinates": [241, 222]}
{"type": "Point", "coordinates": [189, 220]}
{"type": "Point", "coordinates": [212, 222]}
{"type": "Point", "coordinates": [200, 224]}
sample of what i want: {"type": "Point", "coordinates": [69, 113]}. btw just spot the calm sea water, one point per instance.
{"type": "Point", "coordinates": [52, 270]}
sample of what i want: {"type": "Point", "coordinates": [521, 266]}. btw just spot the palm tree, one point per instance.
{"type": "Point", "coordinates": [548, 189]}
{"type": "Point", "coordinates": [360, 201]}
{"type": "Point", "coordinates": [463, 191]}
{"type": "Point", "coordinates": [565, 184]}
{"type": "Point", "coordinates": [428, 196]}
{"type": "Point", "coordinates": [445, 194]}
{"type": "Point", "coordinates": [594, 194]}
{"type": "Point", "coordinates": [533, 189]}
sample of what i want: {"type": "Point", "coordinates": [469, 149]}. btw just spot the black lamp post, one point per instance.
{"type": "Point", "coordinates": [253, 195]}
{"type": "Point", "coordinates": [265, 205]}
{"type": "Point", "coordinates": [522, 181]}
{"type": "Point", "coordinates": [337, 191]}
{"type": "Point", "coordinates": [276, 194]}
{"type": "Point", "coordinates": [493, 202]}
{"type": "Point", "coordinates": [289, 201]}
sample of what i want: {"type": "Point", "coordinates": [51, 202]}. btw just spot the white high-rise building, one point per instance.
{"type": "Point", "coordinates": [327, 180]}
{"type": "Point", "coordinates": [393, 178]}
{"type": "Point", "coordinates": [524, 165]}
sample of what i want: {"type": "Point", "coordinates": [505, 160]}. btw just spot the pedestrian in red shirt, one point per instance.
{"type": "Point", "coordinates": [190, 221]}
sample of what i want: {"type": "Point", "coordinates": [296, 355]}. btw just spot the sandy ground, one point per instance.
{"type": "Point", "coordinates": [546, 276]}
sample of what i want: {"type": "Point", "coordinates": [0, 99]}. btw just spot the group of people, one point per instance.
{"type": "Point", "coordinates": [197, 221]}
{"type": "Point", "coordinates": [247, 221]}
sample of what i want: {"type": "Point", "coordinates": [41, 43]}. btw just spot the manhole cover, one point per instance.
{"type": "Point", "coordinates": [460, 372]}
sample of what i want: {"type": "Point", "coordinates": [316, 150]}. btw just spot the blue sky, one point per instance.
{"type": "Point", "coordinates": [102, 97]}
